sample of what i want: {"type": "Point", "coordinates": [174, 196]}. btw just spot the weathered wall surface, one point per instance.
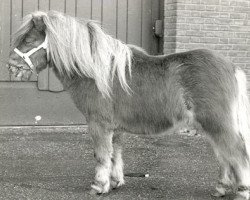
{"type": "Point", "coordinates": [221, 25]}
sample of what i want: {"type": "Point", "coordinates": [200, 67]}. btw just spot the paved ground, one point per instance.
{"type": "Point", "coordinates": [58, 165]}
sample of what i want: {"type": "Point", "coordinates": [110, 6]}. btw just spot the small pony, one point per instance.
{"type": "Point", "coordinates": [120, 88]}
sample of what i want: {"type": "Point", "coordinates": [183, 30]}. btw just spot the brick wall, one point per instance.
{"type": "Point", "coordinates": [221, 25]}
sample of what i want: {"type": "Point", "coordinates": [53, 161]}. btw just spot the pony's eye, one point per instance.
{"type": "Point", "coordinates": [28, 40]}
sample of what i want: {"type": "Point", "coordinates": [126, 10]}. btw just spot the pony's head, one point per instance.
{"type": "Point", "coordinates": [73, 47]}
{"type": "Point", "coordinates": [29, 48]}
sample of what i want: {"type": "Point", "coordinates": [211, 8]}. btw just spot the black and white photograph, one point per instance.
{"type": "Point", "coordinates": [124, 99]}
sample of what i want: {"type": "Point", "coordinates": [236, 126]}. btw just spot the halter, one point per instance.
{"type": "Point", "coordinates": [26, 56]}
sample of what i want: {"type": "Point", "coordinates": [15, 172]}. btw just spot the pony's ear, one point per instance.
{"type": "Point", "coordinates": [38, 22]}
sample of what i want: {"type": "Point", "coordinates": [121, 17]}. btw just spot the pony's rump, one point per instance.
{"type": "Point", "coordinates": [242, 114]}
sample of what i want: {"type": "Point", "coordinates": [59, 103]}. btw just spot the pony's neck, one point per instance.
{"type": "Point", "coordinates": [67, 80]}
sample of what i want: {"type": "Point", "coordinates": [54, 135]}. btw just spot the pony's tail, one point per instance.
{"type": "Point", "coordinates": [243, 109]}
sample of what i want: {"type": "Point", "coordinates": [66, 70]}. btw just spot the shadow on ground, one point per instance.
{"type": "Point", "coordinates": [59, 165]}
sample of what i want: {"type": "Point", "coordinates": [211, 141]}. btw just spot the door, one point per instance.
{"type": "Point", "coordinates": [41, 100]}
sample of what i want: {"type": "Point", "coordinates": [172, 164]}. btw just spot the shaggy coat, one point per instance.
{"type": "Point", "coordinates": [120, 88]}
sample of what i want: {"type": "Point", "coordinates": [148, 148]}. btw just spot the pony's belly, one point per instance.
{"type": "Point", "coordinates": [154, 129]}
{"type": "Point", "coordinates": [163, 125]}
{"type": "Point", "coordinates": [176, 128]}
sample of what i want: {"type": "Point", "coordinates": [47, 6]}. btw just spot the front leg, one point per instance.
{"type": "Point", "coordinates": [117, 177]}
{"type": "Point", "coordinates": [103, 150]}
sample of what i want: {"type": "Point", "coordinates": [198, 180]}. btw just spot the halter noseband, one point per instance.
{"type": "Point", "coordinates": [26, 56]}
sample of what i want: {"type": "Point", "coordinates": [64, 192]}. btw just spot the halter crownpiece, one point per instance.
{"type": "Point", "coordinates": [26, 56]}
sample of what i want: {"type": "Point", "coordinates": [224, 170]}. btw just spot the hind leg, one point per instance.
{"type": "Point", "coordinates": [102, 139]}
{"type": "Point", "coordinates": [232, 148]}
{"type": "Point", "coordinates": [226, 182]}
{"type": "Point", "coordinates": [242, 175]}
{"type": "Point", "coordinates": [117, 177]}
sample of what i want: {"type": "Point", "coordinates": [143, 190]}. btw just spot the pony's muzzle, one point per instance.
{"type": "Point", "coordinates": [19, 73]}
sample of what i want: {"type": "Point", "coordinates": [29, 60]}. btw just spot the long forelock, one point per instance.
{"type": "Point", "coordinates": [20, 34]}
{"type": "Point", "coordinates": [83, 48]}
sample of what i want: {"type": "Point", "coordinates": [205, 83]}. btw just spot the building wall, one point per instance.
{"type": "Point", "coordinates": [221, 25]}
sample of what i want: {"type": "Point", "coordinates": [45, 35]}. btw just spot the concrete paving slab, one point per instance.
{"type": "Point", "coordinates": [57, 164]}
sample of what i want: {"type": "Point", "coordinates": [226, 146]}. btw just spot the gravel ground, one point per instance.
{"type": "Point", "coordinates": [57, 163]}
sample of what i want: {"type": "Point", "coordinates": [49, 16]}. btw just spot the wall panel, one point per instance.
{"type": "Point", "coordinates": [83, 9]}
{"type": "Point", "coordinates": [5, 28]}
{"type": "Point", "coordinates": [70, 7]}
{"type": "Point", "coordinates": [109, 19]}
{"type": "Point", "coordinates": [146, 25]}
{"type": "Point", "coordinates": [134, 22]}
{"type": "Point", "coordinates": [122, 22]}
{"type": "Point", "coordinates": [96, 10]}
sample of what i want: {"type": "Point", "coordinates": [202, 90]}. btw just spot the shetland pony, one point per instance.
{"type": "Point", "coordinates": [120, 88]}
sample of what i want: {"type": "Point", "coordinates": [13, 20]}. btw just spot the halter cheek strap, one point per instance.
{"type": "Point", "coordinates": [26, 56]}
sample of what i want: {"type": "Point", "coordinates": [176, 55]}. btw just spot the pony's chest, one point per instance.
{"type": "Point", "coordinates": [82, 92]}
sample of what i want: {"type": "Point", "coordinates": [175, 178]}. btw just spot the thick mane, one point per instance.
{"type": "Point", "coordinates": [82, 48]}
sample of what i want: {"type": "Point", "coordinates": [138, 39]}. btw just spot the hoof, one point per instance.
{"type": "Point", "coordinates": [242, 196]}
{"type": "Point", "coordinates": [218, 194]}
{"type": "Point", "coordinates": [93, 192]}
{"type": "Point", "coordinates": [115, 184]}
{"type": "Point", "coordinates": [99, 189]}
{"type": "Point", "coordinates": [243, 193]}
{"type": "Point", "coordinates": [223, 190]}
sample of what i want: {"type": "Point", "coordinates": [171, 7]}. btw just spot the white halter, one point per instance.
{"type": "Point", "coordinates": [26, 56]}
